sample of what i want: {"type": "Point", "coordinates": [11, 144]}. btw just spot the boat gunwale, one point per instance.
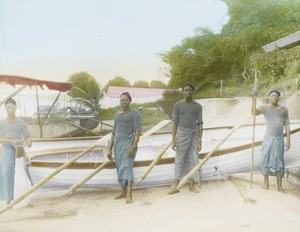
{"type": "Point", "coordinates": [142, 163]}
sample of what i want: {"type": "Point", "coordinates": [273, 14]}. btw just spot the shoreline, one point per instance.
{"type": "Point", "coordinates": [219, 206]}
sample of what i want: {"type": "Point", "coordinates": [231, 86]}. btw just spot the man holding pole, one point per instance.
{"type": "Point", "coordinates": [12, 130]}
{"type": "Point", "coordinates": [186, 137]}
{"type": "Point", "coordinates": [277, 118]}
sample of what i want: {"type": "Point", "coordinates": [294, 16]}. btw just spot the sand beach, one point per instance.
{"type": "Point", "coordinates": [223, 204]}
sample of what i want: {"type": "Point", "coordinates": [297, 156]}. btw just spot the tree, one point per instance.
{"type": "Point", "coordinates": [207, 58]}
{"type": "Point", "coordinates": [141, 84]}
{"type": "Point", "coordinates": [157, 84]}
{"type": "Point", "coordinates": [86, 91]}
{"type": "Point", "coordinates": [117, 81]}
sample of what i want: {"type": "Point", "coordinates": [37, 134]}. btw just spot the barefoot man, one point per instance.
{"type": "Point", "coordinates": [12, 130]}
{"type": "Point", "coordinates": [124, 139]}
{"type": "Point", "coordinates": [186, 137]}
{"type": "Point", "coordinates": [277, 118]}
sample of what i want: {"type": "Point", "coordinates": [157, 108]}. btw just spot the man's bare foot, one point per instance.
{"type": "Point", "coordinates": [173, 191]}
{"type": "Point", "coordinates": [121, 195]}
{"type": "Point", "coordinates": [192, 187]}
{"type": "Point", "coordinates": [129, 200]}
{"type": "Point", "coordinates": [265, 186]}
{"type": "Point", "coordinates": [280, 189]}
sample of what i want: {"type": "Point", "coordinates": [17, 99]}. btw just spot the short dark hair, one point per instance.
{"type": "Point", "coordinates": [10, 100]}
{"type": "Point", "coordinates": [127, 94]}
{"type": "Point", "coordinates": [274, 91]}
{"type": "Point", "coordinates": [190, 85]}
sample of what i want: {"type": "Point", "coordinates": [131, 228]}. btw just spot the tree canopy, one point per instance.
{"type": "Point", "coordinates": [236, 52]}
{"type": "Point", "coordinates": [117, 81]}
{"type": "Point", "coordinates": [141, 84]}
{"type": "Point", "coordinates": [157, 84]}
{"type": "Point", "coordinates": [85, 91]}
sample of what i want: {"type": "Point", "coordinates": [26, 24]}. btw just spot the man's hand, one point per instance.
{"type": "Point", "coordinates": [199, 146]}
{"type": "Point", "coordinates": [287, 145]}
{"type": "Point", "coordinates": [109, 155]}
{"type": "Point", "coordinates": [15, 142]}
{"type": "Point", "coordinates": [174, 145]}
{"type": "Point", "coordinates": [131, 151]}
{"type": "Point", "coordinates": [28, 142]}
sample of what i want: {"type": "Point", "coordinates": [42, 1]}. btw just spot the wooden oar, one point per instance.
{"type": "Point", "coordinates": [44, 180]}
{"type": "Point", "coordinates": [202, 162]}
{"type": "Point", "coordinates": [253, 130]}
{"type": "Point", "coordinates": [83, 181]}
{"type": "Point", "coordinates": [13, 94]}
{"type": "Point", "coordinates": [154, 162]}
{"type": "Point", "coordinates": [155, 128]}
{"type": "Point", "coordinates": [97, 170]}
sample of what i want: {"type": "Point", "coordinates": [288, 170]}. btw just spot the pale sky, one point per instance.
{"type": "Point", "coordinates": [52, 39]}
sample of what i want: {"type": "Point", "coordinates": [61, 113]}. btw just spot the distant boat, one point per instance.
{"type": "Point", "coordinates": [233, 157]}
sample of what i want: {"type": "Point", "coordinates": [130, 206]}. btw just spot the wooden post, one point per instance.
{"type": "Point", "coordinates": [253, 129]}
{"type": "Point", "coordinates": [83, 181]}
{"type": "Point", "coordinates": [221, 88]}
{"type": "Point", "coordinates": [154, 162]}
{"type": "Point", "coordinates": [44, 180]}
{"type": "Point", "coordinates": [38, 112]}
{"type": "Point", "coordinates": [203, 161]}
{"type": "Point", "coordinates": [50, 109]}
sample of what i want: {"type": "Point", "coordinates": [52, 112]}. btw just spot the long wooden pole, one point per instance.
{"type": "Point", "coordinates": [44, 180]}
{"type": "Point", "coordinates": [83, 181]}
{"type": "Point", "coordinates": [38, 112]}
{"type": "Point", "coordinates": [50, 109]}
{"type": "Point", "coordinates": [97, 170]}
{"type": "Point", "coordinates": [253, 130]}
{"type": "Point", "coordinates": [13, 94]}
{"type": "Point", "coordinates": [154, 162]}
{"type": "Point", "coordinates": [203, 161]}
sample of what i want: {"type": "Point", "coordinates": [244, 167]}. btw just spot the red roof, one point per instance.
{"type": "Point", "coordinates": [115, 91]}
{"type": "Point", "coordinates": [52, 85]}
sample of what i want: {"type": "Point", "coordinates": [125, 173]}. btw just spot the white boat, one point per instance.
{"type": "Point", "coordinates": [234, 156]}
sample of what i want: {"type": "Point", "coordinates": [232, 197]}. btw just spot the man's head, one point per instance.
{"type": "Point", "coordinates": [11, 101]}
{"type": "Point", "coordinates": [10, 107]}
{"type": "Point", "coordinates": [125, 100]}
{"type": "Point", "coordinates": [188, 90]}
{"type": "Point", "coordinates": [274, 95]}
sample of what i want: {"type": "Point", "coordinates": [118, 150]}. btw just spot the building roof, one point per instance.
{"type": "Point", "coordinates": [115, 91]}
{"type": "Point", "coordinates": [289, 41]}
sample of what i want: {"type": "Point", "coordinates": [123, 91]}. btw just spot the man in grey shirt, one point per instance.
{"type": "Point", "coordinates": [277, 118]}
{"type": "Point", "coordinates": [186, 137]}
{"type": "Point", "coordinates": [12, 130]}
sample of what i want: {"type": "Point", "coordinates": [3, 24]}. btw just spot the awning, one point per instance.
{"type": "Point", "coordinates": [52, 85]}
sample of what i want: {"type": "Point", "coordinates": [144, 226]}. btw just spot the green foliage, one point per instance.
{"type": "Point", "coordinates": [117, 81]}
{"type": "Point", "coordinates": [157, 84]}
{"type": "Point", "coordinates": [85, 91]}
{"type": "Point", "coordinates": [172, 95]}
{"type": "Point", "coordinates": [141, 84]}
{"type": "Point", "coordinates": [234, 54]}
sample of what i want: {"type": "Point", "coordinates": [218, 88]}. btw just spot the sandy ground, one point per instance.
{"type": "Point", "coordinates": [226, 204]}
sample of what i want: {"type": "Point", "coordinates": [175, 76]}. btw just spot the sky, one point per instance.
{"type": "Point", "coordinates": [53, 39]}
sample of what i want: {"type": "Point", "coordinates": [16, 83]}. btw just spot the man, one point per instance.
{"type": "Point", "coordinates": [124, 144]}
{"type": "Point", "coordinates": [277, 118]}
{"type": "Point", "coordinates": [12, 130]}
{"type": "Point", "coordinates": [186, 137]}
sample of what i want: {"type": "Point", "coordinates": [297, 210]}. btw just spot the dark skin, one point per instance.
{"type": "Point", "coordinates": [127, 191]}
{"type": "Point", "coordinates": [188, 97]}
{"type": "Point", "coordinates": [274, 102]}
